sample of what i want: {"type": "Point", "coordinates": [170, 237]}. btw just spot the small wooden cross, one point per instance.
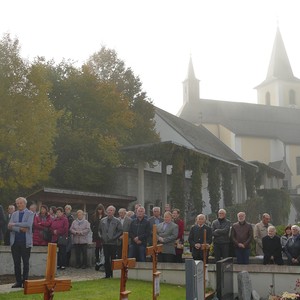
{"type": "Point", "coordinates": [50, 284]}
{"type": "Point", "coordinates": [153, 251]}
{"type": "Point", "coordinates": [123, 264]}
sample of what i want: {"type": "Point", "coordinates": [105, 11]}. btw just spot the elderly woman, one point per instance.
{"type": "Point", "coordinates": [167, 233]}
{"type": "Point", "coordinates": [292, 247]}
{"type": "Point", "coordinates": [80, 230]}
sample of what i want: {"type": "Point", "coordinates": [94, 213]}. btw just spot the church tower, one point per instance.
{"type": "Point", "coordinates": [190, 86]}
{"type": "Point", "coordinates": [281, 87]}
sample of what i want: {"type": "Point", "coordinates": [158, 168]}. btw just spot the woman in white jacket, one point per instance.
{"type": "Point", "coordinates": [80, 230]}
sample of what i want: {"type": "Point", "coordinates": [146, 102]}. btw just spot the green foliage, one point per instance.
{"type": "Point", "coordinates": [214, 184]}
{"type": "Point", "coordinates": [178, 177]}
{"type": "Point", "coordinates": [27, 121]}
{"type": "Point", "coordinates": [108, 68]}
{"type": "Point", "coordinates": [96, 122]}
{"type": "Point", "coordinates": [272, 201]}
{"type": "Point", "coordinates": [226, 184]}
{"type": "Point", "coordinates": [197, 163]}
{"type": "Point", "coordinates": [250, 179]}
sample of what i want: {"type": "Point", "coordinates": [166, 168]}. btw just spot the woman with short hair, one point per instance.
{"type": "Point", "coordinates": [292, 247]}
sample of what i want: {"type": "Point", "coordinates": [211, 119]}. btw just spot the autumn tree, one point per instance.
{"type": "Point", "coordinates": [108, 68]}
{"type": "Point", "coordinates": [96, 122]}
{"type": "Point", "coordinates": [27, 121]}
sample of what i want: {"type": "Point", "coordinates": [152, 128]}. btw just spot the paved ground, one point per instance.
{"type": "Point", "coordinates": [70, 273]}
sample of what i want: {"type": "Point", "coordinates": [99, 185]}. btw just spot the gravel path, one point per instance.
{"type": "Point", "coordinates": [69, 273]}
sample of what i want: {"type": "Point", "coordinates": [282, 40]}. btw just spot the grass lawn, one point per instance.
{"type": "Point", "coordinates": [107, 289]}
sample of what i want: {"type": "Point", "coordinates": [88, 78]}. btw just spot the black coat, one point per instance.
{"type": "Point", "coordinates": [272, 247]}
{"type": "Point", "coordinates": [197, 236]}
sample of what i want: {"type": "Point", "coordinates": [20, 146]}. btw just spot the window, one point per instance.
{"type": "Point", "coordinates": [292, 97]}
{"type": "Point", "coordinates": [268, 98]}
{"type": "Point", "coordinates": [298, 165]}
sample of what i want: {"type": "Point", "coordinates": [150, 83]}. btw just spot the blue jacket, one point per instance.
{"type": "Point", "coordinates": [26, 222]}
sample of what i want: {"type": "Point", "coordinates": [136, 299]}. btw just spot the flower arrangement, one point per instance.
{"type": "Point", "coordinates": [288, 295]}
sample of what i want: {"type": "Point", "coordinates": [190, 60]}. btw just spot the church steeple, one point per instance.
{"type": "Point", "coordinates": [279, 67]}
{"type": "Point", "coordinates": [190, 85]}
{"type": "Point", "coordinates": [281, 87]}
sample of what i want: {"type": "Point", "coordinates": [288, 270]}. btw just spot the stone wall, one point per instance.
{"type": "Point", "coordinates": [38, 260]}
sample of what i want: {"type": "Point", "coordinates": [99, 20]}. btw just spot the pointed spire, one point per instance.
{"type": "Point", "coordinates": [191, 73]}
{"type": "Point", "coordinates": [279, 66]}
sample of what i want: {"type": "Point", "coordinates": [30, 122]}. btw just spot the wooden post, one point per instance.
{"type": "Point", "coordinates": [50, 284]}
{"type": "Point", "coordinates": [123, 264]}
{"type": "Point", "coordinates": [153, 251]}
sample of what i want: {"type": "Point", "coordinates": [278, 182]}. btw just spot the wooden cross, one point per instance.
{"type": "Point", "coordinates": [50, 284]}
{"type": "Point", "coordinates": [153, 251]}
{"type": "Point", "coordinates": [205, 247]}
{"type": "Point", "coordinates": [123, 264]}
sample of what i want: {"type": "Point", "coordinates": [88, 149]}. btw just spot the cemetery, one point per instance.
{"type": "Point", "coordinates": [227, 279]}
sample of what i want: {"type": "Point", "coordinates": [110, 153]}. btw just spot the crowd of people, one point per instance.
{"type": "Point", "coordinates": [25, 228]}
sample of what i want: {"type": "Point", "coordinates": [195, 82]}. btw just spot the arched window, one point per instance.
{"type": "Point", "coordinates": [268, 98]}
{"type": "Point", "coordinates": [292, 97]}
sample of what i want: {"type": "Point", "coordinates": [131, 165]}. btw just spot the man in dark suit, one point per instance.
{"type": "Point", "coordinates": [272, 247]}
{"type": "Point", "coordinates": [11, 209]}
{"type": "Point", "coordinates": [2, 224]}
{"type": "Point", "coordinates": [139, 233]}
{"type": "Point", "coordinates": [196, 238]}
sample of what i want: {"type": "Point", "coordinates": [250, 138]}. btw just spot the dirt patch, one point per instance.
{"type": "Point", "coordinates": [5, 279]}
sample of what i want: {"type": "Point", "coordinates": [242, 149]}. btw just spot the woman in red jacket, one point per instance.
{"type": "Point", "coordinates": [59, 229]}
{"type": "Point", "coordinates": [41, 227]}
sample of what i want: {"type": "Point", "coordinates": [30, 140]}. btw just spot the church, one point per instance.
{"type": "Point", "coordinates": [267, 132]}
{"type": "Point", "coordinates": [241, 134]}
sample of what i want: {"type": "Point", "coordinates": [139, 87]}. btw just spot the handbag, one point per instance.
{"type": "Point", "coordinates": [62, 240]}
{"type": "Point", "coordinates": [47, 235]}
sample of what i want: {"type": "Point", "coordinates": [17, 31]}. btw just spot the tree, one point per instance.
{"type": "Point", "coordinates": [108, 68]}
{"type": "Point", "coordinates": [96, 122]}
{"type": "Point", "coordinates": [27, 121]}
{"type": "Point", "coordinates": [213, 187]}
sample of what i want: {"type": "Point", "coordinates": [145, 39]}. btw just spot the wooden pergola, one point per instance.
{"type": "Point", "coordinates": [87, 201]}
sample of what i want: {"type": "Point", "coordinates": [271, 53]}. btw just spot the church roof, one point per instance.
{"type": "Point", "coordinates": [245, 119]}
{"type": "Point", "coordinates": [201, 138]}
{"type": "Point", "coordinates": [279, 66]}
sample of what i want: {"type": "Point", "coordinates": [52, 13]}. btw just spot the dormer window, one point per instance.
{"type": "Point", "coordinates": [268, 98]}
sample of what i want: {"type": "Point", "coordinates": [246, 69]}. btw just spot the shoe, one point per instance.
{"type": "Point", "coordinates": [97, 266]}
{"type": "Point", "coordinates": [17, 285]}
{"type": "Point", "coordinates": [58, 267]}
{"type": "Point", "coordinates": [62, 268]}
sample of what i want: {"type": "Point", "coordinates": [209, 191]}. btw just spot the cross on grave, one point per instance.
{"type": "Point", "coordinates": [50, 284]}
{"type": "Point", "coordinates": [153, 251]}
{"type": "Point", "coordinates": [205, 247]}
{"type": "Point", "coordinates": [123, 264]}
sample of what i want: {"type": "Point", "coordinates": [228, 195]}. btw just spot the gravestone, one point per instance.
{"type": "Point", "coordinates": [244, 286]}
{"type": "Point", "coordinates": [194, 279]}
{"type": "Point", "coordinates": [225, 279]}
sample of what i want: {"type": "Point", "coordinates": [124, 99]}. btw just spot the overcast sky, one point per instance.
{"type": "Point", "coordinates": [230, 41]}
